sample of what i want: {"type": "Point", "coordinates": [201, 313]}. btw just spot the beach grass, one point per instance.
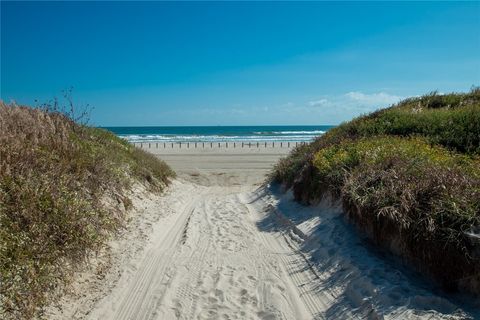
{"type": "Point", "coordinates": [409, 176]}
{"type": "Point", "coordinates": [57, 181]}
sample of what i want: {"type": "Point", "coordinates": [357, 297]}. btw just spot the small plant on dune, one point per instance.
{"type": "Point", "coordinates": [287, 168]}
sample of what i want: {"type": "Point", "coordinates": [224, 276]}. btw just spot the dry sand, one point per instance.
{"type": "Point", "coordinates": [249, 162]}
{"type": "Point", "coordinates": [220, 245]}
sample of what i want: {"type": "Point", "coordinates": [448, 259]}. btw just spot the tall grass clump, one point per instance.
{"type": "Point", "coordinates": [409, 176]}
{"type": "Point", "coordinates": [56, 176]}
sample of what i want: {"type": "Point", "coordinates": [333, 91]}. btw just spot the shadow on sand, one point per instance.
{"type": "Point", "coordinates": [364, 281]}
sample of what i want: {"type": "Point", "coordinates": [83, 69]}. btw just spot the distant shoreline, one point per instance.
{"type": "Point", "coordinates": [222, 134]}
{"type": "Point", "coordinates": [245, 144]}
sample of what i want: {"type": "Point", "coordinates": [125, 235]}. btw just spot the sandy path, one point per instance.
{"type": "Point", "coordinates": [219, 245]}
{"type": "Point", "coordinates": [208, 261]}
{"type": "Point", "coordinates": [231, 251]}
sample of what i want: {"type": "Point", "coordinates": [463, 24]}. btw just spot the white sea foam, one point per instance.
{"type": "Point", "coordinates": [312, 132]}
{"type": "Point", "coordinates": [291, 137]}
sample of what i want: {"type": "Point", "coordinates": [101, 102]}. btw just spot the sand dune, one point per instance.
{"type": "Point", "coordinates": [219, 245]}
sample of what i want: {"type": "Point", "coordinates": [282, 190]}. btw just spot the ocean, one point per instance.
{"type": "Point", "coordinates": [220, 133]}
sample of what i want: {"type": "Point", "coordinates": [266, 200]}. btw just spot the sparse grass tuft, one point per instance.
{"type": "Point", "coordinates": [54, 177]}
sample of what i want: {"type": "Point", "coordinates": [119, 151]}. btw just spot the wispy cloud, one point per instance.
{"type": "Point", "coordinates": [324, 109]}
{"type": "Point", "coordinates": [373, 99]}
{"type": "Point", "coordinates": [356, 99]}
{"type": "Point", "coordinates": [318, 103]}
{"type": "Point", "coordinates": [341, 107]}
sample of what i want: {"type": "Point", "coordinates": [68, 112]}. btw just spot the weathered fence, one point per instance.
{"type": "Point", "coordinates": [203, 145]}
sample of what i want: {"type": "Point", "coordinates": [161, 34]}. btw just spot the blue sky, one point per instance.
{"type": "Point", "coordinates": [166, 63]}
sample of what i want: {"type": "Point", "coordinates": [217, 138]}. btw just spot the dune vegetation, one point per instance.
{"type": "Point", "coordinates": [58, 178]}
{"type": "Point", "coordinates": [409, 177]}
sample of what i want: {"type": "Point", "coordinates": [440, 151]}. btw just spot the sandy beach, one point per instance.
{"type": "Point", "coordinates": [249, 163]}
{"type": "Point", "coordinates": [220, 244]}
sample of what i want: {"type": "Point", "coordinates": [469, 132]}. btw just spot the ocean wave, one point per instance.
{"type": "Point", "coordinates": [216, 138]}
{"type": "Point", "coordinates": [312, 132]}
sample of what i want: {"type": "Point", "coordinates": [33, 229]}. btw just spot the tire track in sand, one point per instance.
{"type": "Point", "coordinates": [138, 303]}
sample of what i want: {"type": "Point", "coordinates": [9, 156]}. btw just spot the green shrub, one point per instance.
{"type": "Point", "coordinates": [406, 178]}
{"type": "Point", "coordinates": [287, 169]}
{"type": "Point", "coordinates": [418, 201]}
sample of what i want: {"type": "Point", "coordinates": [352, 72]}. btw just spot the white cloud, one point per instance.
{"type": "Point", "coordinates": [356, 99]}
{"type": "Point", "coordinates": [341, 107]}
{"type": "Point", "coordinates": [318, 103]}
{"type": "Point", "coordinates": [380, 99]}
